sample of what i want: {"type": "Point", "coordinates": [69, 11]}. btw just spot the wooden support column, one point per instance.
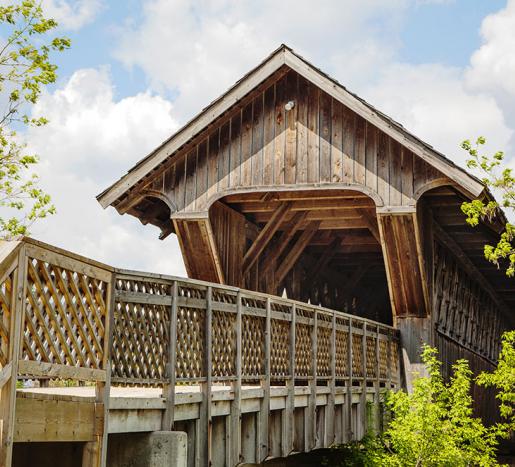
{"type": "Point", "coordinates": [8, 390]}
{"type": "Point", "coordinates": [199, 250]}
{"type": "Point", "coordinates": [408, 285]}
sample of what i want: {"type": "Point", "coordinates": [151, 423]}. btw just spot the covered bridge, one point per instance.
{"type": "Point", "coordinates": [289, 184]}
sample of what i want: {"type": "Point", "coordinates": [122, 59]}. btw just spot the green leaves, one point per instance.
{"type": "Point", "coordinates": [435, 426]}
{"type": "Point", "coordinates": [25, 68]}
{"type": "Point", "coordinates": [502, 182]}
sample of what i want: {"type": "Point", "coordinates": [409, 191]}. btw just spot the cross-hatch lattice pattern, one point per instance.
{"type": "Point", "coordinates": [342, 344]}
{"type": "Point", "coordinates": [371, 357]}
{"type": "Point", "coordinates": [280, 348]}
{"type": "Point", "coordinates": [223, 350]}
{"type": "Point", "coordinates": [141, 333]}
{"type": "Point", "coordinates": [357, 356]}
{"type": "Point", "coordinates": [303, 350]}
{"type": "Point", "coordinates": [323, 348]}
{"type": "Point", "coordinates": [191, 334]}
{"type": "Point", "coordinates": [65, 313]}
{"type": "Point", "coordinates": [5, 316]}
{"type": "Point", "coordinates": [253, 350]}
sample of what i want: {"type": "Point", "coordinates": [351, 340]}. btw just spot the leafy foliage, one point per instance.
{"type": "Point", "coordinates": [503, 379]}
{"type": "Point", "coordinates": [434, 425]}
{"type": "Point", "coordinates": [501, 180]}
{"type": "Point", "coordinates": [25, 68]}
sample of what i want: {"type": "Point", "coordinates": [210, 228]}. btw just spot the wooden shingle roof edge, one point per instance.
{"type": "Point", "coordinates": [282, 56]}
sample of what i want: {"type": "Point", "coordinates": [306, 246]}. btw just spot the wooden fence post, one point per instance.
{"type": "Point", "coordinates": [349, 382]}
{"type": "Point", "coordinates": [236, 387]}
{"type": "Point", "coordinates": [311, 424]}
{"type": "Point", "coordinates": [330, 418]}
{"type": "Point", "coordinates": [205, 421]}
{"type": "Point", "coordinates": [8, 391]}
{"type": "Point", "coordinates": [265, 404]}
{"type": "Point", "coordinates": [169, 388]}
{"type": "Point", "coordinates": [288, 424]}
{"type": "Point", "coordinates": [363, 398]}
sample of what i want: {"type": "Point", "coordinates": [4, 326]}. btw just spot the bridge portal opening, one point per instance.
{"type": "Point", "coordinates": [316, 246]}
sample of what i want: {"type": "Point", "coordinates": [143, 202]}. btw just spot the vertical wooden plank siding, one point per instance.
{"type": "Point", "coordinates": [319, 140]}
{"type": "Point", "coordinates": [257, 141]}
{"type": "Point", "coordinates": [313, 135]}
{"type": "Point", "coordinates": [224, 157]}
{"type": "Point", "coordinates": [325, 137]}
{"type": "Point", "coordinates": [336, 142]}
{"type": "Point", "coordinates": [269, 136]}
{"type": "Point", "coordinates": [290, 155]}
{"type": "Point", "coordinates": [302, 131]}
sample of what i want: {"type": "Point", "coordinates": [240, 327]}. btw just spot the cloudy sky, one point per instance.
{"type": "Point", "coordinates": [138, 69]}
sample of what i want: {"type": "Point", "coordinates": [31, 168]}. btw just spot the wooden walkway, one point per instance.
{"type": "Point", "coordinates": [260, 376]}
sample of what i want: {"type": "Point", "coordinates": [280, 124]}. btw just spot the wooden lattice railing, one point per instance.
{"type": "Point", "coordinates": [63, 316]}
{"type": "Point", "coordinates": [251, 336]}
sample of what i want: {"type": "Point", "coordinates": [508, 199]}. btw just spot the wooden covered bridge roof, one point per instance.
{"type": "Point", "coordinates": [289, 167]}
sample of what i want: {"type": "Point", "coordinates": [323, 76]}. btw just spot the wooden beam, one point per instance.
{"type": "Point", "coordinates": [283, 242]}
{"type": "Point", "coordinates": [371, 223]}
{"type": "Point", "coordinates": [296, 251]}
{"type": "Point", "coordinates": [324, 259]}
{"type": "Point", "coordinates": [265, 236]}
{"type": "Point", "coordinates": [471, 268]}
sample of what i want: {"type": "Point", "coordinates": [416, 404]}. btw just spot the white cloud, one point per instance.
{"type": "Point", "coordinates": [433, 102]}
{"type": "Point", "coordinates": [90, 141]}
{"type": "Point", "coordinates": [72, 14]}
{"type": "Point", "coordinates": [198, 49]}
{"type": "Point", "coordinates": [492, 66]}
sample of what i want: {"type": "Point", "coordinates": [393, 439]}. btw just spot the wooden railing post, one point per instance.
{"type": "Point", "coordinates": [349, 383]}
{"type": "Point", "coordinates": [169, 388]}
{"type": "Point", "coordinates": [311, 422]}
{"type": "Point", "coordinates": [8, 391]}
{"type": "Point", "coordinates": [236, 387]}
{"type": "Point", "coordinates": [288, 425]}
{"type": "Point", "coordinates": [376, 385]}
{"type": "Point", "coordinates": [264, 413]}
{"type": "Point", "coordinates": [330, 418]}
{"type": "Point", "coordinates": [205, 428]}
{"type": "Point", "coordinates": [94, 453]}
{"type": "Point", "coordinates": [363, 398]}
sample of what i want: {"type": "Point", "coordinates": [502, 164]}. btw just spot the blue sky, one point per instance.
{"type": "Point", "coordinates": [140, 68]}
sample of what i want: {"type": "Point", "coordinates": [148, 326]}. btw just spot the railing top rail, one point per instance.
{"type": "Point", "coordinates": [246, 292]}
{"type": "Point", "coordinates": [62, 251]}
